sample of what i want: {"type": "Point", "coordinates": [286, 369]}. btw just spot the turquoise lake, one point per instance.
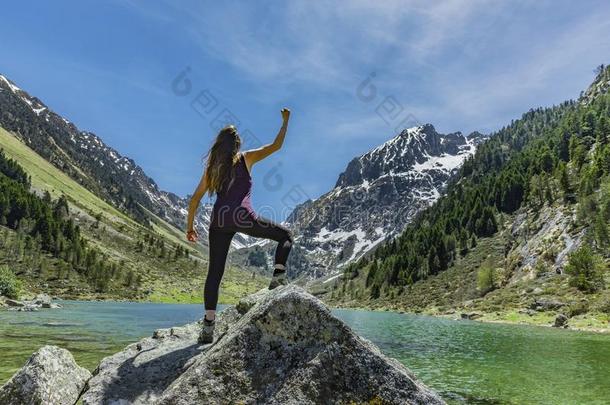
{"type": "Point", "coordinates": [465, 361]}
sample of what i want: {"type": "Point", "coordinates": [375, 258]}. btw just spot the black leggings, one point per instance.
{"type": "Point", "coordinates": [220, 241]}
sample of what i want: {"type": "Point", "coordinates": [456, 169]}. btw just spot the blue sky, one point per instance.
{"type": "Point", "coordinates": [462, 66]}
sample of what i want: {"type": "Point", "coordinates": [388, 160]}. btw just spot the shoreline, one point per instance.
{"type": "Point", "coordinates": [541, 319]}
{"type": "Point", "coordinates": [157, 298]}
{"type": "Point", "coordinates": [60, 298]}
{"type": "Point", "coordinates": [491, 318]}
{"type": "Point", "coordinates": [543, 325]}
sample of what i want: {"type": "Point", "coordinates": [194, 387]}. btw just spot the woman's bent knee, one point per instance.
{"type": "Point", "coordinates": [287, 239]}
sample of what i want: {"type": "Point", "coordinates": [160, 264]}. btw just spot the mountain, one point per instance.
{"type": "Point", "coordinates": [521, 234]}
{"type": "Point", "coordinates": [87, 159]}
{"type": "Point", "coordinates": [375, 197]}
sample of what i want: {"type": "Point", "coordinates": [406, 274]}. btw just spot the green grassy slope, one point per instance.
{"type": "Point", "coordinates": [46, 177]}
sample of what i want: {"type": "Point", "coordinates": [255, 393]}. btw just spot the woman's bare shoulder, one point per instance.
{"type": "Point", "coordinates": [249, 158]}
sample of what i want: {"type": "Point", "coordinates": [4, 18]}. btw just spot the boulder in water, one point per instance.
{"type": "Point", "coordinates": [14, 303]}
{"type": "Point", "coordinates": [561, 321]}
{"type": "Point", "coordinates": [276, 347]}
{"type": "Point", "coordinates": [50, 377]}
{"type": "Point", "coordinates": [51, 305]}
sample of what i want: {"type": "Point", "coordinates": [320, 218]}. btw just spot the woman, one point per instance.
{"type": "Point", "coordinates": [227, 174]}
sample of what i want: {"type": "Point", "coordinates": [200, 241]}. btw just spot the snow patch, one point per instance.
{"type": "Point", "coordinates": [38, 111]}
{"type": "Point", "coordinates": [444, 162]}
{"type": "Point", "coordinates": [336, 276]}
{"type": "Point", "coordinates": [413, 133]}
{"type": "Point", "coordinates": [13, 88]}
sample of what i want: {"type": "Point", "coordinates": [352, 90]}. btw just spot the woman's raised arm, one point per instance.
{"type": "Point", "coordinates": [254, 155]}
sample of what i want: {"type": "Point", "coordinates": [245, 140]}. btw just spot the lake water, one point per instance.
{"type": "Point", "coordinates": [466, 362]}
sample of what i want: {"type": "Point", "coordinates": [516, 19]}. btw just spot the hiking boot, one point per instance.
{"type": "Point", "coordinates": [278, 279]}
{"type": "Point", "coordinates": [206, 335]}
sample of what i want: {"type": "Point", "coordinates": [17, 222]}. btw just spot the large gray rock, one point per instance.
{"type": "Point", "coordinates": [142, 371]}
{"type": "Point", "coordinates": [14, 303]}
{"type": "Point", "coordinates": [50, 377]}
{"type": "Point", "coordinates": [546, 305]}
{"type": "Point", "coordinates": [278, 347]}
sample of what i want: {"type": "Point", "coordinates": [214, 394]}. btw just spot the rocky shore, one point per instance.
{"type": "Point", "coordinates": [40, 301]}
{"type": "Point", "coordinates": [274, 347]}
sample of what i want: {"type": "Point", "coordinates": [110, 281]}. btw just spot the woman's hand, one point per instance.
{"type": "Point", "coordinates": [285, 114]}
{"type": "Point", "coordinates": [192, 235]}
{"type": "Point", "coordinates": [200, 191]}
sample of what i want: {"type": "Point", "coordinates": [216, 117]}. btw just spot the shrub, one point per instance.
{"type": "Point", "coordinates": [375, 292]}
{"type": "Point", "coordinates": [578, 308]}
{"type": "Point", "coordinates": [585, 268]}
{"type": "Point", "coordinates": [541, 267]}
{"type": "Point", "coordinates": [10, 285]}
{"type": "Point", "coordinates": [257, 258]}
{"type": "Point", "coordinates": [604, 306]}
{"type": "Point", "coordinates": [550, 249]}
{"type": "Point", "coordinates": [486, 278]}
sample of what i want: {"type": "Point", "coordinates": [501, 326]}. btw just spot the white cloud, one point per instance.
{"type": "Point", "coordinates": [540, 76]}
{"type": "Point", "coordinates": [463, 62]}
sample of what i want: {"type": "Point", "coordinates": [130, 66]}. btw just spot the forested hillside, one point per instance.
{"type": "Point", "coordinates": [550, 161]}
{"type": "Point", "coordinates": [46, 225]}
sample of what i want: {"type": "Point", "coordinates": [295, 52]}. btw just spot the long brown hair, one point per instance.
{"type": "Point", "coordinates": [221, 160]}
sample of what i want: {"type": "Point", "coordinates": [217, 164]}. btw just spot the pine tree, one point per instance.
{"type": "Point", "coordinates": [601, 230]}
{"type": "Point", "coordinates": [564, 182]}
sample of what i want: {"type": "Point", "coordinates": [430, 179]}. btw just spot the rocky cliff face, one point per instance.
{"type": "Point", "coordinates": [599, 86]}
{"type": "Point", "coordinates": [86, 158]}
{"type": "Point", "coordinates": [376, 196]}
{"type": "Point", "coordinates": [275, 347]}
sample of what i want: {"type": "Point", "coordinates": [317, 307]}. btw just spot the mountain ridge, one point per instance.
{"type": "Point", "coordinates": [85, 157]}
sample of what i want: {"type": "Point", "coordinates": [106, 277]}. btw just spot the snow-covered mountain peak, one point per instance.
{"type": "Point", "coordinates": [418, 149]}
{"type": "Point", "coordinates": [405, 137]}
{"type": "Point", "coordinates": [376, 196]}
